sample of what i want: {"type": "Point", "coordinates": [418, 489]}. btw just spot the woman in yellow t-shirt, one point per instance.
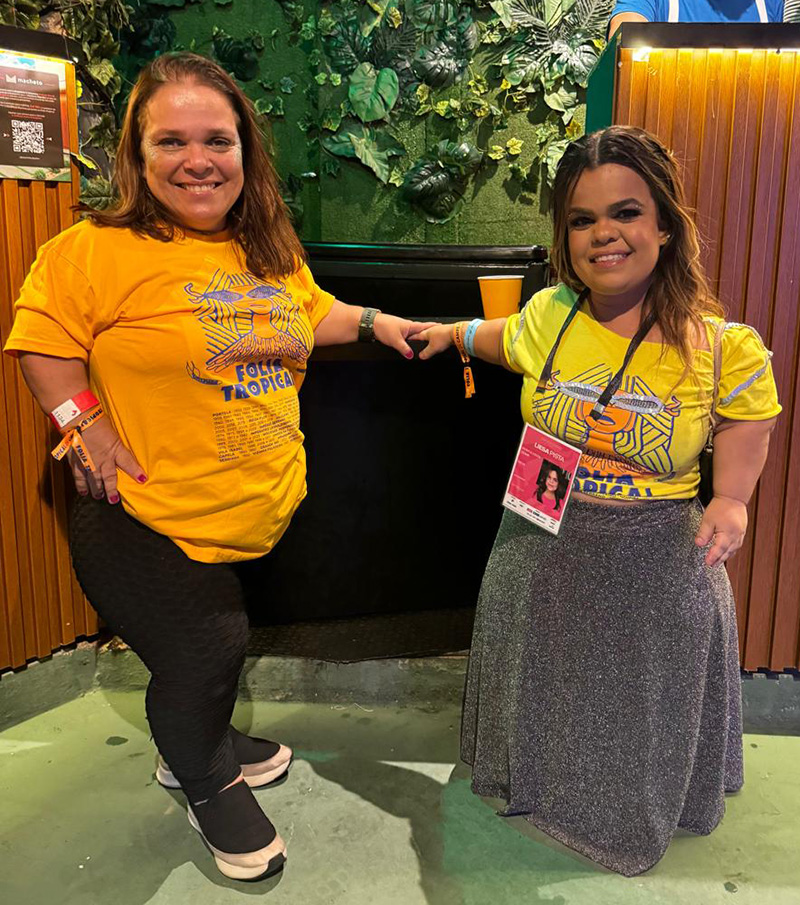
{"type": "Point", "coordinates": [603, 697]}
{"type": "Point", "coordinates": [173, 332]}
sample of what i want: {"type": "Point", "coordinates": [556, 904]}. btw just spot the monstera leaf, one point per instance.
{"type": "Point", "coordinates": [372, 93]}
{"type": "Point", "coordinates": [393, 48]}
{"type": "Point", "coordinates": [432, 15]}
{"type": "Point", "coordinates": [372, 147]}
{"type": "Point", "coordinates": [441, 64]}
{"type": "Point", "coordinates": [438, 65]}
{"type": "Point", "coordinates": [461, 156]}
{"type": "Point", "coordinates": [574, 58]}
{"type": "Point", "coordinates": [437, 184]}
{"type": "Point", "coordinates": [345, 45]}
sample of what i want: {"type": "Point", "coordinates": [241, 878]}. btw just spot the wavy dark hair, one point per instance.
{"type": "Point", "coordinates": [259, 220]}
{"type": "Point", "coordinates": [679, 293]}
{"type": "Point", "coordinates": [541, 485]}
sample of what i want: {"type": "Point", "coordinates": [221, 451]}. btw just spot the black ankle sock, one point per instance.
{"type": "Point", "coordinates": [252, 750]}
{"type": "Point", "coordinates": [233, 822]}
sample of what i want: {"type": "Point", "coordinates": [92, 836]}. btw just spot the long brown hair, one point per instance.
{"type": "Point", "coordinates": [259, 220]}
{"type": "Point", "coordinates": [679, 293]}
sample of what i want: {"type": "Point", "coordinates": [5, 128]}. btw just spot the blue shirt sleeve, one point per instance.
{"type": "Point", "coordinates": [775, 10]}
{"type": "Point", "coordinates": [650, 9]}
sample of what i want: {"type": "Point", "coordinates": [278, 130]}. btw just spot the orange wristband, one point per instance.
{"type": "Point", "coordinates": [72, 439]}
{"type": "Point", "coordinates": [458, 342]}
{"type": "Point", "coordinates": [89, 418]}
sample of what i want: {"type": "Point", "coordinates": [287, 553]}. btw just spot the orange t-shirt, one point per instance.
{"type": "Point", "coordinates": [197, 362]}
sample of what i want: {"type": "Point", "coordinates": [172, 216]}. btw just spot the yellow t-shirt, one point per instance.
{"type": "Point", "coordinates": [197, 363]}
{"type": "Point", "coordinates": [648, 440]}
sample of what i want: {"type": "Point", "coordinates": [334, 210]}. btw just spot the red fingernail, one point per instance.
{"type": "Point", "coordinates": [409, 354]}
{"type": "Point", "coordinates": [83, 492]}
{"type": "Point", "coordinates": [142, 478]}
{"type": "Point", "coordinates": [114, 498]}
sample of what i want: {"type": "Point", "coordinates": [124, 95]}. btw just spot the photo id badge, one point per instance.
{"type": "Point", "coordinates": [541, 478]}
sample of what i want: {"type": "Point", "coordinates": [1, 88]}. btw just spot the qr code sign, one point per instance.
{"type": "Point", "coordinates": [27, 137]}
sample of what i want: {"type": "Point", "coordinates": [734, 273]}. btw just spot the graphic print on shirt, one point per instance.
{"type": "Point", "coordinates": [248, 319]}
{"type": "Point", "coordinates": [631, 439]}
{"type": "Point", "coordinates": [257, 329]}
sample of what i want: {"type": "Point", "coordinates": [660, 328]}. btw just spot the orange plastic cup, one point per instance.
{"type": "Point", "coordinates": [500, 295]}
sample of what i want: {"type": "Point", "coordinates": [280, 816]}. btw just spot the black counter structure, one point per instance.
{"type": "Point", "coordinates": [405, 475]}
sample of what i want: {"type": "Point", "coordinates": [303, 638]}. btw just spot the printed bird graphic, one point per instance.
{"type": "Point", "coordinates": [250, 322]}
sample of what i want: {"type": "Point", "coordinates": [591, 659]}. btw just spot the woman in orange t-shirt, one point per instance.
{"type": "Point", "coordinates": [188, 310]}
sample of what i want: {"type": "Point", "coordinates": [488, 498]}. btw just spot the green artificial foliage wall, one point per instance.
{"type": "Point", "coordinates": [413, 121]}
{"type": "Point", "coordinates": [353, 205]}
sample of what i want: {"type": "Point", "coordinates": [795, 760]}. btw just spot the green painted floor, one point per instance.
{"type": "Point", "coordinates": [374, 811]}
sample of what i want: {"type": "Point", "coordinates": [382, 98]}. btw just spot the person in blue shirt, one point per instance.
{"type": "Point", "coordinates": [695, 11]}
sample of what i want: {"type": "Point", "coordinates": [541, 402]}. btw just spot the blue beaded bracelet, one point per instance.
{"type": "Point", "coordinates": [469, 336]}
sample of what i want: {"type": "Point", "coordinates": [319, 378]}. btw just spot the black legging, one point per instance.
{"type": "Point", "coordinates": [188, 623]}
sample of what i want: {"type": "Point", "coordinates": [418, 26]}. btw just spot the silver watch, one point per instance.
{"type": "Point", "coordinates": [366, 325]}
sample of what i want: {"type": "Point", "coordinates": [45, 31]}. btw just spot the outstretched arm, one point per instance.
{"type": "Point", "coordinates": [340, 325]}
{"type": "Point", "coordinates": [488, 341]}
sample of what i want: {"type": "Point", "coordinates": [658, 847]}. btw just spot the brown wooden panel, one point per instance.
{"type": "Point", "coordinates": [668, 98]}
{"type": "Point", "coordinates": [5, 634]}
{"type": "Point", "coordinates": [759, 309]}
{"type": "Point", "coordinates": [631, 95]}
{"type": "Point", "coordinates": [785, 647]}
{"type": "Point", "coordinates": [655, 82]}
{"type": "Point", "coordinates": [13, 635]}
{"type": "Point", "coordinates": [622, 87]}
{"type": "Point", "coordinates": [684, 118]}
{"type": "Point", "coordinates": [746, 123]}
{"type": "Point", "coordinates": [735, 249]}
{"type": "Point", "coordinates": [9, 191]}
{"type": "Point", "coordinates": [714, 151]}
{"type": "Point", "coordinates": [732, 119]}
{"type": "Point", "coordinates": [41, 605]}
{"type": "Point", "coordinates": [697, 117]}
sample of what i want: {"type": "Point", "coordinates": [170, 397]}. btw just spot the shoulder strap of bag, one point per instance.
{"type": "Point", "coordinates": [717, 349]}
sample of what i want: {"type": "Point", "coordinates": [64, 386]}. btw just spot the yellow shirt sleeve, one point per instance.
{"type": "Point", "coordinates": [543, 313]}
{"type": "Point", "coordinates": [747, 390]}
{"type": "Point", "coordinates": [56, 312]}
{"type": "Point", "coordinates": [511, 346]}
{"type": "Point", "coordinates": [320, 302]}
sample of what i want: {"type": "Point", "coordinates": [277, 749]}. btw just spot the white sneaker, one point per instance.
{"type": "Point", "coordinates": [255, 775]}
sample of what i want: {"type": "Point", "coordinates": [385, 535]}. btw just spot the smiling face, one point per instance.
{"type": "Point", "coordinates": [551, 482]}
{"type": "Point", "coordinates": [192, 154]}
{"type": "Point", "coordinates": [613, 231]}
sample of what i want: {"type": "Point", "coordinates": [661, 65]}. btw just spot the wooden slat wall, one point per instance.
{"type": "Point", "coordinates": [41, 605]}
{"type": "Point", "coordinates": [732, 117]}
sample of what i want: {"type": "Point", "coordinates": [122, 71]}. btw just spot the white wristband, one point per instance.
{"type": "Point", "coordinates": [69, 410]}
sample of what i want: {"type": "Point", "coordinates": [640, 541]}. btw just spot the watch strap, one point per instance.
{"type": "Point", "coordinates": [366, 325]}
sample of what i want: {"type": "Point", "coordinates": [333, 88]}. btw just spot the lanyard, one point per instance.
{"type": "Point", "coordinates": [616, 380]}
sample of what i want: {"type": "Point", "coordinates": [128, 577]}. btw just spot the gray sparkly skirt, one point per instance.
{"type": "Point", "coordinates": [603, 697]}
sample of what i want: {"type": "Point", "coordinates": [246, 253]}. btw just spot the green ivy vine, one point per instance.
{"type": "Point", "coordinates": [471, 70]}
